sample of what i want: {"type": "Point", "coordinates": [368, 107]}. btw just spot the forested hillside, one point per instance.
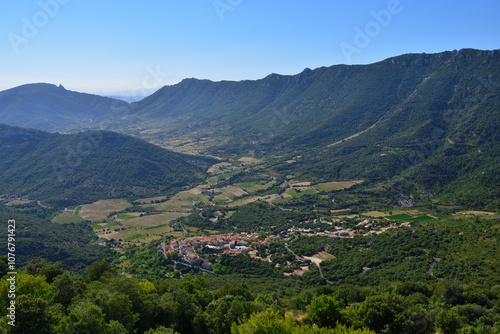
{"type": "Point", "coordinates": [64, 170]}
{"type": "Point", "coordinates": [242, 299]}
{"type": "Point", "coordinates": [53, 108]}
{"type": "Point", "coordinates": [424, 124]}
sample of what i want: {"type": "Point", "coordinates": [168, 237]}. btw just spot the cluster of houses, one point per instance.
{"type": "Point", "coordinates": [189, 249]}
{"type": "Point", "coordinates": [193, 250]}
{"type": "Point", "coordinates": [309, 231]}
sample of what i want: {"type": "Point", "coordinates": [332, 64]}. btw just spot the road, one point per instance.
{"type": "Point", "coordinates": [277, 196]}
{"type": "Point", "coordinates": [43, 206]}
{"type": "Point", "coordinates": [431, 266]}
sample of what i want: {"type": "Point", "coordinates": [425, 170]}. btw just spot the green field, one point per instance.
{"type": "Point", "coordinates": [331, 186]}
{"type": "Point", "coordinates": [63, 219]}
{"type": "Point", "coordinates": [254, 186]}
{"type": "Point", "coordinates": [78, 209]}
{"type": "Point", "coordinates": [420, 218]}
{"type": "Point", "coordinates": [248, 185]}
{"type": "Point", "coordinates": [409, 218]}
{"type": "Point", "coordinates": [402, 216]}
{"type": "Point", "coordinates": [111, 224]}
{"type": "Point", "coordinates": [134, 237]}
{"type": "Point", "coordinates": [125, 216]}
{"type": "Point", "coordinates": [440, 215]}
{"type": "Point", "coordinates": [213, 180]}
{"type": "Point", "coordinates": [295, 194]}
{"type": "Point", "coordinates": [153, 227]}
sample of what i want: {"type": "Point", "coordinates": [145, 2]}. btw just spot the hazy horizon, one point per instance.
{"type": "Point", "coordinates": [111, 49]}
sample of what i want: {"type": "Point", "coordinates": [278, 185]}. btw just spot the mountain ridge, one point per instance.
{"type": "Point", "coordinates": [64, 170]}
{"type": "Point", "coordinates": [416, 121]}
{"type": "Point", "coordinates": [52, 108]}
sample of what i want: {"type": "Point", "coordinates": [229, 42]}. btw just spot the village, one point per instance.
{"type": "Point", "coordinates": [195, 251]}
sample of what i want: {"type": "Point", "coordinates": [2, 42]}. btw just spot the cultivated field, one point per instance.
{"type": "Point", "coordinates": [218, 168]}
{"type": "Point", "coordinates": [252, 199]}
{"type": "Point", "coordinates": [133, 228]}
{"type": "Point", "coordinates": [153, 220]}
{"type": "Point", "coordinates": [69, 216]}
{"type": "Point", "coordinates": [248, 161]}
{"type": "Point", "coordinates": [101, 209]}
{"type": "Point", "coordinates": [330, 186]}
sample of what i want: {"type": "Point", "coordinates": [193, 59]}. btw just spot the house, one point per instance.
{"type": "Point", "coordinates": [300, 272]}
{"type": "Point", "coordinates": [206, 265]}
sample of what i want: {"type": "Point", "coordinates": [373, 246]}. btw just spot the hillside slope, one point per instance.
{"type": "Point", "coordinates": [53, 108]}
{"type": "Point", "coordinates": [73, 169]}
{"type": "Point", "coordinates": [423, 123]}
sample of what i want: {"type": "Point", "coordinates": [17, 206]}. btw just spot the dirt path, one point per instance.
{"type": "Point", "coordinates": [431, 266]}
{"type": "Point", "coordinates": [316, 261]}
{"type": "Point", "coordinates": [277, 196]}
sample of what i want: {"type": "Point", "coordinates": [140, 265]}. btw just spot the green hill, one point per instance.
{"type": "Point", "coordinates": [417, 124]}
{"type": "Point", "coordinates": [63, 170]}
{"type": "Point", "coordinates": [53, 108]}
{"type": "Point", "coordinates": [69, 244]}
{"type": "Point", "coordinates": [318, 107]}
{"type": "Point", "coordinates": [422, 124]}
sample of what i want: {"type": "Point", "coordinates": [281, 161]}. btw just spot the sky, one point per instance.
{"type": "Point", "coordinates": [134, 47]}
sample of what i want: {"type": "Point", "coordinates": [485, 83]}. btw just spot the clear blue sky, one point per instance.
{"type": "Point", "coordinates": [112, 46]}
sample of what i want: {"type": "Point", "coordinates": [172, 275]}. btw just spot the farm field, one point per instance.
{"type": "Point", "coordinates": [252, 199]}
{"type": "Point", "coordinates": [330, 186]}
{"type": "Point", "coordinates": [254, 186]}
{"type": "Point", "coordinates": [249, 161]}
{"type": "Point", "coordinates": [153, 220]}
{"type": "Point", "coordinates": [69, 216]}
{"type": "Point", "coordinates": [139, 229]}
{"type": "Point", "coordinates": [101, 209]}
{"type": "Point", "coordinates": [181, 202]}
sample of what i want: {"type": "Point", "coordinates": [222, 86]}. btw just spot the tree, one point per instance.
{"type": "Point", "coordinates": [4, 268]}
{"type": "Point", "coordinates": [324, 311]}
{"type": "Point", "coordinates": [417, 321]}
{"type": "Point", "coordinates": [381, 311]}
{"type": "Point", "coordinates": [39, 266]}
{"type": "Point", "coordinates": [64, 289]}
{"type": "Point", "coordinates": [453, 294]}
{"type": "Point", "coordinates": [273, 322]}
{"type": "Point", "coordinates": [34, 286]}
{"type": "Point", "coordinates": [161, 330]}
{"type": "Point", "coordinates": [30, 315]}
{"type": "Point", "coordinates": [223, 312]}
{"type": "Point", "coordinates": [84, 318]}
{"type": "Point", "coordinates": [266, 322]}
{"type": "Point", "coordinates": [448, 322]}
{"type": "Point", "coordinates": [114, 327]}
{"type": "Point", "coordinates": [98, 269]}
{"type": "Point", "coordinates": [115, 306]}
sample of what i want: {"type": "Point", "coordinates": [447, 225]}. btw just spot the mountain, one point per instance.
{"type": "Point", "coordinates": [423, 124]}
{"type": "Point", "coordinates": [316, 107]}
{"type": "Point", "coordinates": [64, 170]}
{"type": "Point", "coordinates": [52, 108]}
{"type": "Point", "coordinates": [126, 98]}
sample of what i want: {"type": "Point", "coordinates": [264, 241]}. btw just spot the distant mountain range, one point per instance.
{"type": "Point", "coordinates": [62, 170]}
{"type": "Point", "coordinates": [424, 123]}
{"type": "Point", "coordinates": [53, 108]}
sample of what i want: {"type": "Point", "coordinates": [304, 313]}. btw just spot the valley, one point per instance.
{"type": "Point", "coordinates": [373, 189]}
{"type": "Point", "coordinates": [191, 217]}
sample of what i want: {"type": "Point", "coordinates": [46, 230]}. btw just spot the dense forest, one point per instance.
{"type": "Point", "coordinates": [64, 170]}
{"type": "Point", "coordinates": [51, 300]}
{"type": "Point", "coordinates": [437, 275]}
